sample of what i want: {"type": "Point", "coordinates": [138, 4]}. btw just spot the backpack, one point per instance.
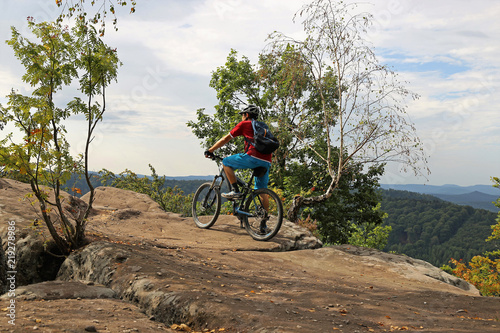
{"type": "Point", "coordinates": [264, 140]}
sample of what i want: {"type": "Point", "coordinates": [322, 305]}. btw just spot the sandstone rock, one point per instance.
{"type": "Point", "coordinates": [216, 278]}
{"type": "Point", "coordinates": [51, 290]}
{"type": "Point", "coordinates": [297, 238]}
{"type": "Point", "coordinates": [115, 198]}
{"type": "Point", "coordinates": [410, 267]}
{"type": "Point", "coordinates": [96, 262]}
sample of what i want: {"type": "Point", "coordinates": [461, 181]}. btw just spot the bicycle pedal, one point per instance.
{"type": "Point", "coordinates": [263, 231]}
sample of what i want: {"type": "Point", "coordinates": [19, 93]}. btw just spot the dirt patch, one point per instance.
{"type": "Point", "coordinates": [79, 316]}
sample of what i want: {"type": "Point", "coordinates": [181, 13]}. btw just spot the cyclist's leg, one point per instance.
{"type": "Point", "coordinates": [243, 161]}
{"type": "Point", "coordinates": [265, 201]}
{"type": "Point", "coordinates": [261, 182]}
{"type": "Point", "coordinates": [238, 161]}
{"type": "Point", "coordinates": [231, 177]}
{"type": "Point", "coordinates": [231, 163]}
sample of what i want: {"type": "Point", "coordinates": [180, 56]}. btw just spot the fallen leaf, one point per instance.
{"type": "Point", "coordinates": [181, 327]}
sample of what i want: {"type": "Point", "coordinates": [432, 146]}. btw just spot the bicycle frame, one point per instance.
{"type": "Point", "coordinates": [246, 189]}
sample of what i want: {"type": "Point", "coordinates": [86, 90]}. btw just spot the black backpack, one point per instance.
{"type": "Point", "coordinates": [263, 140]}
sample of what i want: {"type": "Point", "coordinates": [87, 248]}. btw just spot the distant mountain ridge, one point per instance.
{"type": "Point", "coordinates": [443, 189]}
{"type": "Point", "coordinates": [189, 177]}
{"type": "Point", "coordinates": [477, 196]}
{"type": "Point", "coordinates": [475, 199]}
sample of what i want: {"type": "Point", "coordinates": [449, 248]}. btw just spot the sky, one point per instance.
{"type": "Point", "coordinates": [447, 51]}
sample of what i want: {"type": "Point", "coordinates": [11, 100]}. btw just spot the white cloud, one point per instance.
{"type": "Point", "coordinates": [200, 40]}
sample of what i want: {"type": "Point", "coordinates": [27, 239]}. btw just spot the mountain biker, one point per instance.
{"type": "Point", "coordinates": [251, 159]}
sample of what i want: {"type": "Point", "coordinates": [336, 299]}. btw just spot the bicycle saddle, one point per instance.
{"type": "Point", "coordinates": [259, 171]}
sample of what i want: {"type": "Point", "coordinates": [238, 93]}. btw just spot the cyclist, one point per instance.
{"type": "Point", "coordinates": [251, 159]}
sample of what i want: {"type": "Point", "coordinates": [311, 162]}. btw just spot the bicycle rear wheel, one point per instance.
{"type": "Point", "coordinates": [263, 225]}
{"type": "Point", "coordinates": [206, 205]}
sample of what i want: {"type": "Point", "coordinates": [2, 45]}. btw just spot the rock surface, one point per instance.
{"type": "Point", "coordinates": [150, 271]}
{"type": "Point", "coordinates": [51, 290]}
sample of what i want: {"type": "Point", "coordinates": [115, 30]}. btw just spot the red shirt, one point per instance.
{"type": "Point", "coordinates": [245, 128]}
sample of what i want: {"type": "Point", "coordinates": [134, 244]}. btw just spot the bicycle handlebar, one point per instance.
{"type": "Point", "coordinates": [214, 157]}
{"type": "Point", "coordinates": [217, 157]}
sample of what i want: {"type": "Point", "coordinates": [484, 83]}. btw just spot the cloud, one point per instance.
{"type": "Point", "coordinates": [200, 39]}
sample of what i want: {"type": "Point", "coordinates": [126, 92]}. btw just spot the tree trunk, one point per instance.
{"type": "Point", "coordinates": [61, 244]}
{"type": "Point", "coordinates": [299, 201]}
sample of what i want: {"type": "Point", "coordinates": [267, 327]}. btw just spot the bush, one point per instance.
{"type": "Point", "coordinates": [170, 199]}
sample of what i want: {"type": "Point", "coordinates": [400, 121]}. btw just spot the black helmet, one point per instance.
{"type": "Point", "coordinates": [252, 110]}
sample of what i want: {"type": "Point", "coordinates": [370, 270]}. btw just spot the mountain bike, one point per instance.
{"type": "Point", "coordinates": [260, 223]}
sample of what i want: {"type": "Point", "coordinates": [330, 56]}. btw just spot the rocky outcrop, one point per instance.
{"type": "Point", "coordinates": [36, 257]}
{"type": "Point", "coordinates": [51, 290]}
{"type": "Point", "coordinates": [29, 255]}
{"type": "Point", "coordinates": [115, 198]}
{"type": "Point", "coordinates": [220, 277]}
{"type": "Point", "coordinates": [412, 268]}
{"type": "Point", "coordinates": [120, 270]}
{"type": "Point", "coordinates": [96, 262]}
{"type": "Point", "coordinates": [297, 238]}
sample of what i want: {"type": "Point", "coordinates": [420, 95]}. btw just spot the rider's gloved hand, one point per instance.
{"type": "Point", "coordinates": [208, 154]}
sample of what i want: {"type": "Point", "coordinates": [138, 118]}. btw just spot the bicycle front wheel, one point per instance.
{"type": "Point", "coordinates": [206, 205]}
{"type": "Point", "coordinates": [263, 224]}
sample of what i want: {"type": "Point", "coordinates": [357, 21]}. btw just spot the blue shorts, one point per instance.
{"type": "Point", "coordinates": [245, 161]}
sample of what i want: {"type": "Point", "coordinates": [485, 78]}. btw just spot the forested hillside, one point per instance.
{"type": "Point", "coordinates": [428, 228]}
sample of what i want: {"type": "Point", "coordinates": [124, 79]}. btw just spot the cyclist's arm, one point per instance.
{"type": "Point", "coordinates": [220, 143]}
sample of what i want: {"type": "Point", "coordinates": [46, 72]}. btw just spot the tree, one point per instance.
{"type": "Point", "coordinates": [371, 236]}
{"type": "Point", "coordinates": [43, 155]}
{"type": "Point", "coordinates": [363, 119]}
{"type": "Point", "coordinates": [334, 108]}
{"type": "Point", "coordinates": [270, 86]}
{"type": "Point", "coordinates": [103, 8]}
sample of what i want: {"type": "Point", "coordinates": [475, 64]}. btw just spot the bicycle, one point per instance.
{"type": "Point", "coordinates": [260, 223]}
